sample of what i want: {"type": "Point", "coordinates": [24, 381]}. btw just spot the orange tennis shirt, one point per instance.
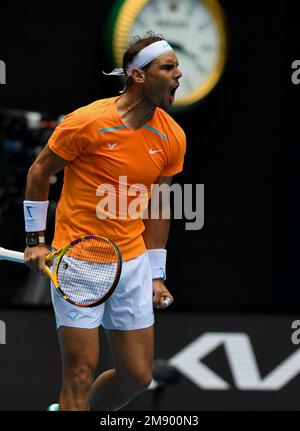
{"type": "Point", "coordinates": [101, 150]}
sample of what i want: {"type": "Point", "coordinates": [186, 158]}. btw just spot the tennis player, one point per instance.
{"type": "Point", "coordinates": [128, 136]}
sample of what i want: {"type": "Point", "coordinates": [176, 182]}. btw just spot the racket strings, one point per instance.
{"type": "Point", "coordinates": [88, 270]}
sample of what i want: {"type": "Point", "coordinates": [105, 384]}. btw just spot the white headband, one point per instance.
{"type": "Point", "coordinates": [143, 57]}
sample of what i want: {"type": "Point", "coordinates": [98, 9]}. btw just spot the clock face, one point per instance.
{"type": "Point", "coordinates": [195, 29]}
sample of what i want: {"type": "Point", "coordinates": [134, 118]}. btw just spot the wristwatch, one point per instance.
{"type": "Point", "coordinates": [33, 239]}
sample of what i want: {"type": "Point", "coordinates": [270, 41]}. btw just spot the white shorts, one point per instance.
{"type": "Point", "coordinates": [129, 307]}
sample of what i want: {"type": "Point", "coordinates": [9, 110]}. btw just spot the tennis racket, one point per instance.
{"type": "Point", "coordinates": [85, 272]}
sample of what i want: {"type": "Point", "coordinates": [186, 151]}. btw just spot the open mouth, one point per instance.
{"type": "Point", "coordinates": [173, 90]}
{"type": "Point", "coordinates": [172, 93]}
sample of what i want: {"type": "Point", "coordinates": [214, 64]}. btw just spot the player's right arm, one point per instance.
{"type": "Point", "coordinates": [37, 189]}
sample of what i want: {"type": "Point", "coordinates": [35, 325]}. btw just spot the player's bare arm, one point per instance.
{"type": "Point", "coordinates": [46, 164]}
{"type": "Point", "coordinates": [156, 236]}
{"type": "Point", "coordinates": [37, 189]}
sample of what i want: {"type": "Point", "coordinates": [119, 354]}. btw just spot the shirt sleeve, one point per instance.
{"type": "Point", "coordinates": [177, 152]}
{"type": "Point", "coordinates": [66, 140]}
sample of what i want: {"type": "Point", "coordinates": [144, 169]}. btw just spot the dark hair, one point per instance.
{"type": "Point", "coordinates": [137, 44]}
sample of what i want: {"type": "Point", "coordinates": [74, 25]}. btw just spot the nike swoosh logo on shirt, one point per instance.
{"type": "Point", "coordinates": [154, 151]}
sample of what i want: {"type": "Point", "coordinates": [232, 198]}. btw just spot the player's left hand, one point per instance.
{"type": "Point", "coordinates": [162, 298]}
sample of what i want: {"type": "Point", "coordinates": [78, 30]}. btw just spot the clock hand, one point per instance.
{"type": "Point", "coordinates": [180, 48]}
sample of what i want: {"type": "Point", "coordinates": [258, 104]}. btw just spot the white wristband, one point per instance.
{"type": "Point", "coordinates": [35, 215]}
{"type": "Point", "coordinates": [158, 258]}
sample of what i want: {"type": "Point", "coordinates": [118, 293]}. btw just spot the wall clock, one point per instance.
{"type": "Point", "coordinates": [195, 29]}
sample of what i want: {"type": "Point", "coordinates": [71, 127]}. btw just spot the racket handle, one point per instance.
{"type": "Point", "coordinates": [17, 256]}
{"type": "Point", "coordinates": [11, 255]}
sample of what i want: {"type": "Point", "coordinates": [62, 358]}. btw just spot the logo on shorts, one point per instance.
{"type": "Point", "coordinates": [72, 315]}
